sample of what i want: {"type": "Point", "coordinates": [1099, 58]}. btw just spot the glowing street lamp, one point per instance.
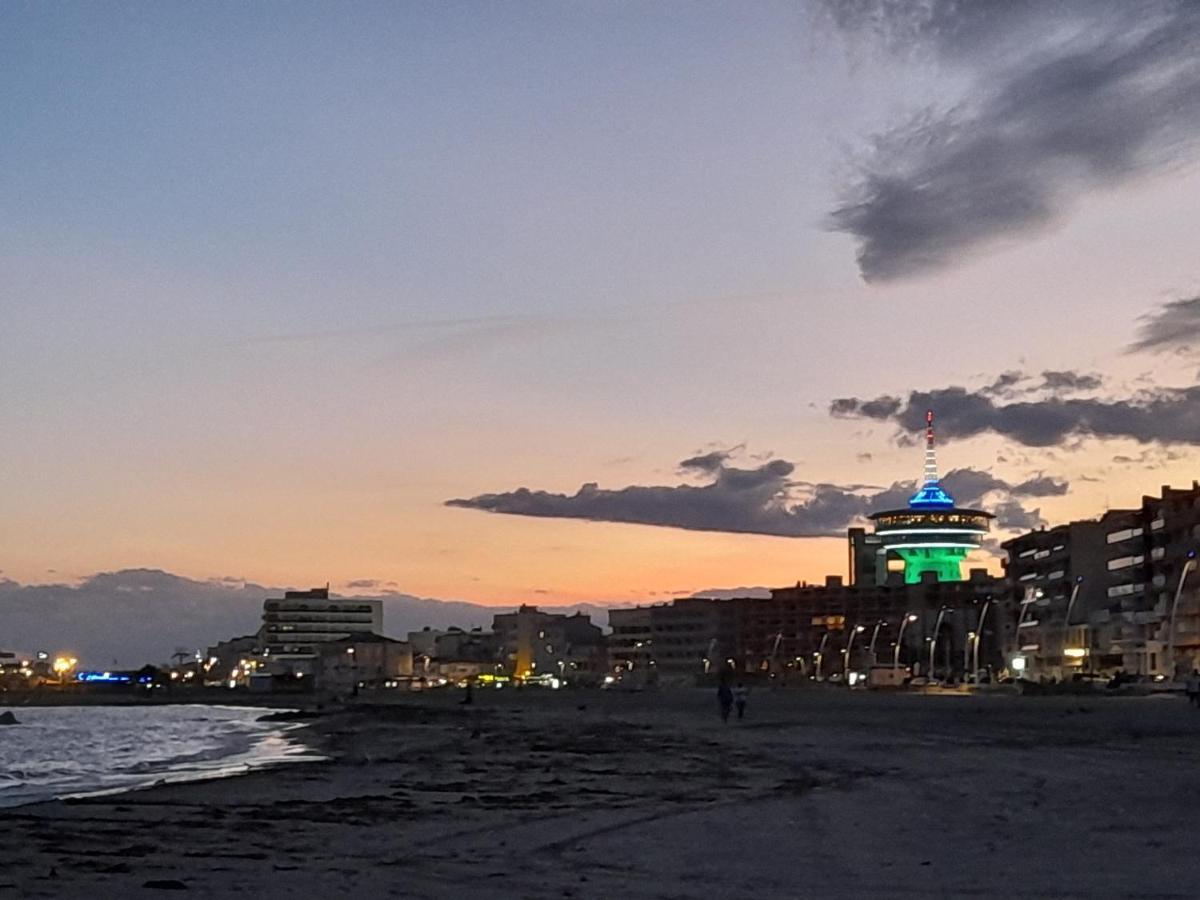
{"type": "Point", "coordinates": [63, 665]}
{"type": "Point", "coordinates": [820, 654]}
{"type": "Point", "coordinates": [858, 629]}
{"type": "Point", "coordinates": [910, 617]}
{"type": "Point", "coordinates": [1067, 618]}
{"type": "Point", "coordinates": [978, 636]}
{"type": "Point", "coordinates": [874, 638]}
{"type": "Point", "coordinates": [933, 641]}
{"type": "Point", "coordinates": [1032, 596]}
{"type": "Point", "coordinates": [1187, 567]}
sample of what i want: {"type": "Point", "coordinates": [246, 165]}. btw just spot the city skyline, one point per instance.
{"type": "Point", "coordinates": [293, 300]}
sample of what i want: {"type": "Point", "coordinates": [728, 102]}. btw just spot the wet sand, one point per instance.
{"type": "Point", "coordinates": [597, 795]}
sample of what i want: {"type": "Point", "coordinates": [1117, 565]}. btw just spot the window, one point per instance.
{"type": "Point", "coordinates": [1124, 534]}
{"type": "Point", "coordinates": [1157, 523]}
{"type": "Point", "coordinates": [1124, 562]}
{"type": "Point", "coordinates": [1124, 590]}
{"type": "Point", "coordinates": [1041, 554]}
{"type": "Point", "coordinates": [1056, 574]}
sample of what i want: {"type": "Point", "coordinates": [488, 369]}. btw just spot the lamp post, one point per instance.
{"type": "Point", "coordinates": [1030, 599]}
{"type": "Point", "coordinates": [978, 635]}
{"type": "Point", "coordinates": [820, 654]}
{"type": "Point", "coordinates": [937, 625]}
{"type": "Point", "coordinates": [1067, 618]}
{"type": "Point", "coordinates": [1187, 567]}
{"type": "Point", "coordinates": [857, 629]}
{"type": "Point", "coordinates": [874, 638]}
{"type": "Point", "coordinates": [908, 617]}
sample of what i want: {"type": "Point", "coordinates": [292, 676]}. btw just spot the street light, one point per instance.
{"type": "Point", "coordinates": [1187, 567]}
{"type": "Point", "coordinates": [874, 638]}
{"type": "Point", "coordinates": [820, 653]}
{"type": "Point", "coordinates": [1070, 606]}
{"type": "Point", "coordinates": [909, 617]}
{"type": "Point", "coordinates": [933, 641]}
{"type": "Point", "coordinates": [63, 665]}
{"type": "Point", "coordinates": [1032, 596]}
{"type": "Point", "coordinates": [857, 629]}
{"type": "Point", "coordinates": [978, 635]}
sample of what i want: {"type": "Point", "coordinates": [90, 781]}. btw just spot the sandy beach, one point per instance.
{"type": "Point", "coordinates": [597, 795]}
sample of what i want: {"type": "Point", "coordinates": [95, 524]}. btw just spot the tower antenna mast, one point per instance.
{"type": "Point", "coordinates": [931, 471]}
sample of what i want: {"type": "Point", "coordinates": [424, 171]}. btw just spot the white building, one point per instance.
{"type": "Point", "coordinates": [297, 625]}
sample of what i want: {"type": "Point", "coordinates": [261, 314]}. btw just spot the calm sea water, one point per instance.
{"type": "Point", "coordinates": [69, 751]}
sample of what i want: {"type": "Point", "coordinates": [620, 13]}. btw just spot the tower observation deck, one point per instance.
{"type": "Point", "coordinates": [932, 534]}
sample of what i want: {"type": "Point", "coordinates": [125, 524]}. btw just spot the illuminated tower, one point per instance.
{"type": "Point", "coordinates": [932, 534]}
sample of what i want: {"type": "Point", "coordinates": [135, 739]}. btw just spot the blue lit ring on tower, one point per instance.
{"type": "Point", "coordinates": [932, 534]}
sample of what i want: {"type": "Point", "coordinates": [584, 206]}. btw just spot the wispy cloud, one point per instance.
{"type": "Point", "coordinates": [419, 327]}
{"type": "Point", "coordinates": [1174, 326]}
{"type": "Point", "coordinates": [1063, 97]}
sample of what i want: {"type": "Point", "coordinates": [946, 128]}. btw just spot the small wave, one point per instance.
{"type": "Point", "coordinates": [82, 751]}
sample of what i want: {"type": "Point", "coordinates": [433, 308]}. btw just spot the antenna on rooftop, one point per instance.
{"type": "Point", "coordinates": [931, 472]}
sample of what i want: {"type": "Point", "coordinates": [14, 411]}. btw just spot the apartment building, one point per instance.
{"type": "Point", "coordinates": [296, 625]}
{"type": "Point", "coordinates": [1052, 573]}
{"type": "Point", "coordinates": [533, 642]}
{"type": "Point", "coordinates": [631, 638]}
{"type": "Point", "coordinates": [1137, 608]}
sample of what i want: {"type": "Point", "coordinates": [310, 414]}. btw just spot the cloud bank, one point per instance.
{"type": "Point", "coordinates": [133, 616]}
{"type": "Point", "coordinates": [761, 500]}
{"type": "Point", "coordinates": [1063, 98]}
{"type": "Point", "coordinates": [1163, 415]}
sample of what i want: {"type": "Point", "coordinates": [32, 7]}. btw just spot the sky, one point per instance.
{"type": "Point", "coordinates": [590, 302]}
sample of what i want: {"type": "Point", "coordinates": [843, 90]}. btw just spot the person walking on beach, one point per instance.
{"type": "Point", "coordinates": [740, 693]}
{"type": "Point", "coordinates": [725, 698]}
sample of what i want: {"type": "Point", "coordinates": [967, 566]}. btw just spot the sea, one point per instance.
{"type": "Point", "coordinates": [78, 751]}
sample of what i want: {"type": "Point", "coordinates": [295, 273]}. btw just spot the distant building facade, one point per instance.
{"type": "Point", "coordinates": [534, 642]}
{"type": "Point", "coordinates": [365, 660]}
{"type": "Point", "coordinates": [297, 625]}
{"type": "Point", "coordinates": [631, 638]}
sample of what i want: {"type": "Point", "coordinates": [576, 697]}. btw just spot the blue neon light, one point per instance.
{"type": "Point", "coordinates": [931, 496]}
{"type": "Point", "coordinates": [103, 678]}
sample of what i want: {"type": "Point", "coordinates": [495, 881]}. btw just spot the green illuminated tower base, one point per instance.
{"type": "Point", "coordinates": [945, 562]}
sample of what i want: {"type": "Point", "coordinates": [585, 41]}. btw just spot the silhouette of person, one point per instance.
{"type": "Point", "coordinates": [725, 699]}
{"type": "Point", "coordinates": [740, 693]}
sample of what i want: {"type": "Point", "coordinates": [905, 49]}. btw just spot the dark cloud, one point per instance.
{"type": "Point", "coordinates": [762, 500]}
{"type": "Point", "coordinates": [1041, 486]}
{"type": "Point", "coordinates": [1150, 458]}
{"type": "Point", "coordinates": [1176, 326]}
{"type": "Point", "coordinates": [1068, 381]}
{"type": "Point", "coordinates": [1004, 385]}
{"type": "Point", "coordinates": [1015, 383]}
{"type": "Point", "coordinates": [1165, 415]}
{"type": "Point", "coordinates": [1063, 98]}
{"type": "Point", "coordinates": [707, 462]}
{"type": "Point", "coordinates": [364, 583]}
{"type": "Point", "coordinates": [1012, 516]}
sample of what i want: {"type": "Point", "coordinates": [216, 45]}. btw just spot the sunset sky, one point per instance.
{"type": "Point", "coordinates": [280, 281]}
